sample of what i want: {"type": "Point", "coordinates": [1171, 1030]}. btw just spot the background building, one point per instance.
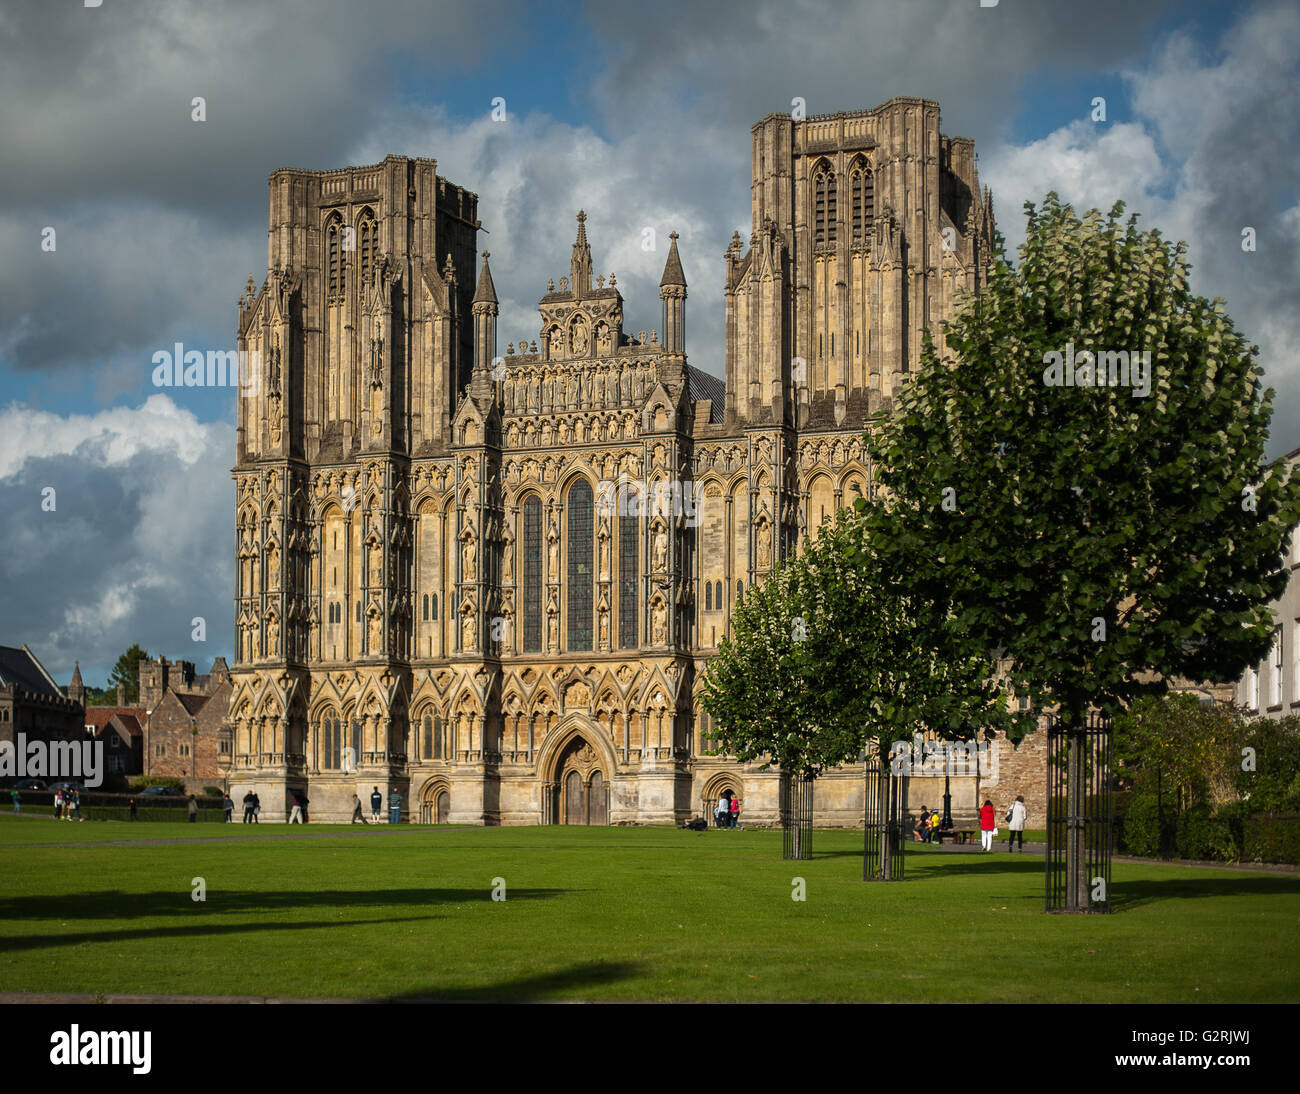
{"type": "Point", "coordinates": [492, 582]}
{"type": "Point", "coordinates": [1272, 687]}
{"type": "Point", "coordinates": [31, 702]}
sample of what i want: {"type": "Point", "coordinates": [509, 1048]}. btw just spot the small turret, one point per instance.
{"type": "Point", "coordinates": [672, 291]}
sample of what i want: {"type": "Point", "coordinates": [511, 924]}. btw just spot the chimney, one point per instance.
{"type": "Point", "coordinates": [121, 695]}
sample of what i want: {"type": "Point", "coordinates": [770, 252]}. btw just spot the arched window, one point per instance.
{"type": "Point", "coordinates": [717, 596]}
{"type": "Point", "coordinates": [332, 740]}
{"type": "Point", "coordinates": [335, 254]}
{"type": "Point", "coordinates": [533, 575]}
{"type": "Point", "coordinates": [862, 190]}
{"type": "Point", "coordinates": [358, 611]}
{"type": "Point", "coordinates": [580, 577]}
{"type": "Point", "coordinates": [629, 571]}
{"type": "Point", "coordinates": [426, 752]}
{"type": "Point", "coordinates": [434, 605]}
{"type": "Point", "coordinates": [367, 241]}
{"type": "Point", "coordinates": [426, 607]}
{"type": "Point", "coordinates": [824, 205]}
{"type": "Point", "coordinates": [740, 589]}
{"type": "Point", "coordinates": [708, 596]}
{"type": "Point", "coordinates": [437, 737]}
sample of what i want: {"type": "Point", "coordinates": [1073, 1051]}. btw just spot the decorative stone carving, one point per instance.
{"type": "Point", "coordinates": [658, 623]}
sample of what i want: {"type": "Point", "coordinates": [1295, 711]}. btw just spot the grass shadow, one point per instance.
{"type": "Point", "coordinates": [528, 988]}
{"type": "Point", "coordinates": [21, 942]}
{"type": "Point", "coordinates": [113, 904]}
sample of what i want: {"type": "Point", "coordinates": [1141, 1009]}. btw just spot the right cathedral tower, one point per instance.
{"type": "Point", "coordinates": [866, 225]}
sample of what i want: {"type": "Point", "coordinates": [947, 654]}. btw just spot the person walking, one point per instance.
{"type": "Point", "coordinates": [58, 804]}
{"type": "Point", "coordinates": [133, 810]}
{"type": "Point", "coordinates": [735, 812]}
{"type": "Point", "coordinates": [394, 807]}
{"type": "Point", "coordinates": [76, 803]}
{"type": "Point", "coordinates": [1016, 824]}
{"type": "Point", "coordinates": [14, 794]}
{"type": "Point", "coordinates": [228, 808]}
{"type": "Point", "coordinates": [357, 814]}
{"type": "Point", "coordinates": [193, 808]}
{"type": "Point", "coordinates": [987, 825]}
{"type": "Point", "coordinates": [721, 812]}
{"type": "Point", "coordinates": [295, 814]}
{"type": "Point", "coordinates": [248, 807]}
{"type": "Point", "coordinates": [376, 804]}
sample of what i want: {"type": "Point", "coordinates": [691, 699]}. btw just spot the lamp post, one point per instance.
{"type": "Point", "coordinates": [946, 822]}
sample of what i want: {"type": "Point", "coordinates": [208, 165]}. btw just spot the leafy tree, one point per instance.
{"type": "Point", "coordinates": [1268, 777]}
{"type": "Point", "coordinates": [1193, 750]}
{"type": "Point", "coordinates": [127, 671]}
{"type": "Point", "coordinates": [824, 660]}
{"type": "Point", "coordinates": [1104, 538]}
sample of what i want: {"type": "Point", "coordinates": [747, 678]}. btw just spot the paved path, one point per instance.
{"type": "Point", "coordinates": [65, 998]}
{"type": "Point", "coordinates": [338, 833]}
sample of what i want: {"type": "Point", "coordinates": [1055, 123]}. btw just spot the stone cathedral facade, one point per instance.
{"type": "Point", "coordinates": [490, 577]}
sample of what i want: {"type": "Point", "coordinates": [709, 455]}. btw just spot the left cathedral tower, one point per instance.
{"type": "Point", "coordinates": [361, 337]}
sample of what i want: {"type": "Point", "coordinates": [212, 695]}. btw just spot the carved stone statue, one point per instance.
{"type": "Point", "coordinates": [507, 560]}
{"type": "Point", "coordinates": [763, 538]}
{"type": "Point", "coordinates": [273, 637]}
{"type": "Point", "coordinates": [553, 547]}
{"type": "Point", "coordinates": [553, 631]}
{"type": "Point", "coordinates": [658, 623]}
{"type": "Point", "coordinates": [467, 636]}
{"type": "Point", "coordinates": [660, 555]}
{"type": "Point", "coordinates": [376, 634]}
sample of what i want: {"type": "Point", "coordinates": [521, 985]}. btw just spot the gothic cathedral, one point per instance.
{"type": "Point", "coordinates": [491, 580]}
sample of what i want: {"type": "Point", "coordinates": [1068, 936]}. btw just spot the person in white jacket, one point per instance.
{"type": "Point", "coordinates": [1016, 824]}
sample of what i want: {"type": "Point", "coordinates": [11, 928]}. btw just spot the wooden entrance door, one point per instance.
{"type": "Point", "coordinates": [443, 808]}
{"type": "Point", "coordinates": [575, 805]}
{"type": "Point", "coordinates": [597, 807]}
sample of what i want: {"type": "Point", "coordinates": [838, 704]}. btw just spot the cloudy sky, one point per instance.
{"type": "Point", "coordinates": [639, 113]}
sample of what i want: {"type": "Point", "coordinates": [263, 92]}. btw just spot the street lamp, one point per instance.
{"type": "Point", "coordinates": [946, 822]}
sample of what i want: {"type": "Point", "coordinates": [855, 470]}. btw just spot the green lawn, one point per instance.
{"type": "Point", "coordinates": [601, 913]}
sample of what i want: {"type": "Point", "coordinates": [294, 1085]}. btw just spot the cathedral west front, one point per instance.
{"type": "Point", "coordinates": [489, 577]}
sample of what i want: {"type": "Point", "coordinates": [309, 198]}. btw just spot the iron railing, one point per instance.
{"type": "Point", "coordinates": [796, 806]}
{"type": "Point", "coordinates": [1079, 816]}
{"type": "Point", "coordinates": [883, 836]}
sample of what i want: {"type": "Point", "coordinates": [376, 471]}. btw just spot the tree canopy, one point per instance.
{"type": "Point", "coordinates": [1084, 474]}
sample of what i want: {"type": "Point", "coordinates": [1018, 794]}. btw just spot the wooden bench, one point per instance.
{"type": "Point", "coordinates": [957, 835]}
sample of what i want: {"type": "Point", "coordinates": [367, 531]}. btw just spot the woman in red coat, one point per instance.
{"type": "Point", "coordinates": [987, 825]}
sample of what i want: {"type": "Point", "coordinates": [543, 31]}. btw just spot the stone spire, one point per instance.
{"type": "Point", "coordinates": [580, 266]}
{"type": "Point", "coordinates": [673, 274]}
{"type": "Point", "coordinates": [672, 291]}
{"type": "Point", "coordinates": [77, 689]}
{"type": "Point", "coordinates": [485, 318]}
{"type": "Point", "coordinates": [486, 292]}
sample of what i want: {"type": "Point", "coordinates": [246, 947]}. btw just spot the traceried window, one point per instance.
{"type": "Point", "coordinates": [367, 241]}
{"type": "Point", "coordinates": [862, 189]}
{"type": "Point", "coordinates": [426, 753]}
{"type": "Point", "coordinates": [332, 739]}
{"type": "Point", "coordinates": [336, 255]}
{"type": "Point", "coordinates": [533, 575]}
{"type": "Point", "coordinates": [581, 579]}
{"type": "Point", "coordinates": [629, 574]}
{"type": "Point", "coordinates": [824, 211]}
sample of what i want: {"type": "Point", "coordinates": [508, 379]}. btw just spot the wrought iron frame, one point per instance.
{"type": "Point", "coordinates": [796, 806]}
{"type": "Point", "coordinates": [882, 847]}
{"type": "Point", "coordinates": [1079, 816]}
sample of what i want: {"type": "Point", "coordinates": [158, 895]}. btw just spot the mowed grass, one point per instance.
{"type": "Point", "coordinates": [619, 914]}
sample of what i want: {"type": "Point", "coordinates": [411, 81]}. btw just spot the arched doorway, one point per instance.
{"type": "Point", "coordinates": [583, 790]}
{"type": "Point", "coordinates": [720, 787]}
{"type": "Point", "coordinates": [435, 804]}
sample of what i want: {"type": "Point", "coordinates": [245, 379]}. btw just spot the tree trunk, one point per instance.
{"type": "Point", "coordinates": [1076, 872]}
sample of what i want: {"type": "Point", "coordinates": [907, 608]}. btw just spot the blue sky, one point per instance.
{"type": "Point", "coordinates": [639, 114]}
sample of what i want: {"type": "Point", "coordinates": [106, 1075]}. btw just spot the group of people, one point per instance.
{"type": "Point", "coordinates": [66, 802]}
{"type": "Point", "coordinates": [726, 813]}
{"type": "Point", "coordinates": [252, 807]}
{"type": "Point", "coordinates": [376, 805]}
{"type": "Point", "coordinates": [928, 828]}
